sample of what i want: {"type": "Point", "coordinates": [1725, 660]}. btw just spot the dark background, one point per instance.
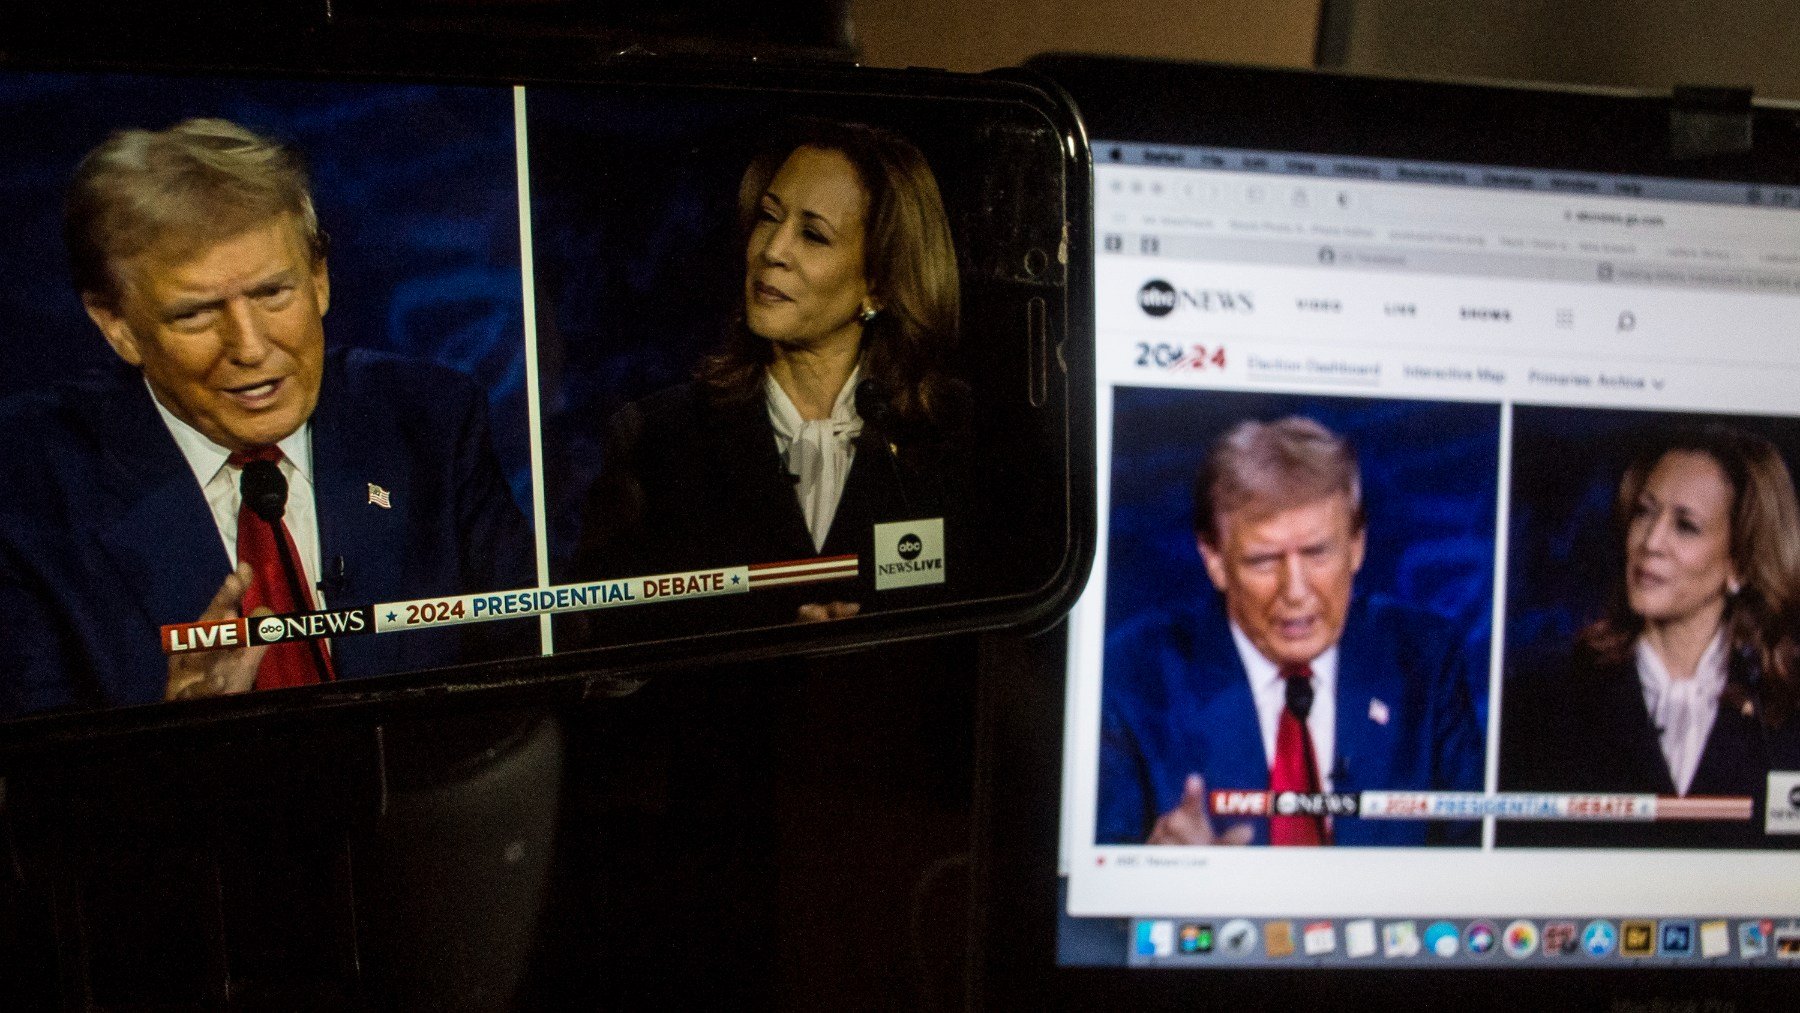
{"type": "Point", "coordinates": [636, 261]}
{"type": "Point", "coordinates": [415, 186]}
{"type": "Point", "coordinates": [1431, 500]}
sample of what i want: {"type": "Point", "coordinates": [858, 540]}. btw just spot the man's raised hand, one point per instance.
{"type": "Point", "coordinates": [1188, 822]}
{"type": "Point", "coordinates": [216, 673]}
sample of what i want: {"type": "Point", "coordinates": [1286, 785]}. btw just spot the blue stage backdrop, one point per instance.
{"type": "Point", "coordinates": [1567, 553]}
{"type": "Point", "coordinates": [636, 259]}
{"type": "Point", "coordinates": [1430, 474]}
{"type": "Point", "coordinates": [416, 187]}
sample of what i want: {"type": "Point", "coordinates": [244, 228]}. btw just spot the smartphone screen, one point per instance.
{"type": "Point", "coordinates": [317, 381]}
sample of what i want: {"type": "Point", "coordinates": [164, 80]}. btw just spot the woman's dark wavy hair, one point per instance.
{"type": "Point", "coordinates": [909, 261]}
{"type": "Point", "coordinates": [1761, 620]}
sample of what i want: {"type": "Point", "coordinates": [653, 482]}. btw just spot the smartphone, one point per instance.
{"type": "Point", "coordinates": [345, 376]}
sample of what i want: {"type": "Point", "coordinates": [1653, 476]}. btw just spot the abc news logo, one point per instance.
{"type": "Point", "coordinates": [909, 553]}
{"type": "Point", "coordinates": [1242, 802]}
{"type": "Point", "coordinates": [1158, 298]}
{"type": "Point", "coordinates": [1781, 806]}
{"type": "Point", "coordinates": [908, 548]}
{"type": "Point", "coordinates": [310, 625]}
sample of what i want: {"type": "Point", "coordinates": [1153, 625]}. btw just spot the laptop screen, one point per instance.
{"type": "Point", "coordinates": [1443, 603]}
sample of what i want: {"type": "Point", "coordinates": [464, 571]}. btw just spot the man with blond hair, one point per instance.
{"type": "Point", "coordinates": [1291, 681]}
{"type": "Point", "coordinates": [198, 256]}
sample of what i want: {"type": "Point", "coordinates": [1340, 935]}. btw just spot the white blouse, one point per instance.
{"type": "Point", "coordinates": [1682, 710]}
{"type": "Point", "coordinates": [818, 452]}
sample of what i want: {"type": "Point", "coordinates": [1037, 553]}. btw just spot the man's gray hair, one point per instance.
{"type": "Point", "coordinates": [1267, 467]}
{"type": "Point", "coordinates": [184, 188]}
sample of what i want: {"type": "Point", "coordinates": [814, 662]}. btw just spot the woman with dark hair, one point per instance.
{"type": "Point", "coordinates": [1687, 685]}
{"type": "Point", "coordinates": [827, 410]}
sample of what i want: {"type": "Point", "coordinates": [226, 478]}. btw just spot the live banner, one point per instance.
{"type": "Point", "coordinates": [452, 610]}
{"type": "Point", "coordinates": [1474, 805]}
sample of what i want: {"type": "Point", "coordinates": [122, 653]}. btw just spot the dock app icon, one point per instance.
{"type": "Point", "coordinates": [1238, 937]}
{"type": "Point", "coordinates": [1753, 938]}
{"type": "Point", "coordinates": [1520, 940]}
{"type": "Point", "coordinates": [1677, 939]}
{"type": "Point", "coordinates": [1715, 939]}
{"type": "Point", "coordinates": [1442, 939]}
{"type": "Point", "coordinates": [1400, 939]}
{"type": "Point", "coordinates": [1318, 939]}
{"type": "Point", "coordinates": [1197, 937]}
{"type": "Point", "coordinates": [1637, 939]}
{"type": "Point", "coordinates": [1278, 939]}
{"type": "Point", "coordinates": [1479, 938]}
{"type": "Point", "coordinates": [1559, 939]}
{"type": "Point", "coordinates": [1155, 938]}
{"type": "Point", "coordinates": [1599, 939]}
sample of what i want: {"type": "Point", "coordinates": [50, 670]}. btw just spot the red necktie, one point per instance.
{"type": "Point", "coordinates": [1296, 766]}
{"type": "Point", "coordinates": [292, 662]}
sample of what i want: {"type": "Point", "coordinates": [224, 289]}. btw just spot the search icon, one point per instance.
{"type": "Point", "coordinates": [1627, 321]}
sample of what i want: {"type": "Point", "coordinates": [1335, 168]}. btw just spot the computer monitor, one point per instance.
{"type": "Point", "coordinates": [1443, 607]}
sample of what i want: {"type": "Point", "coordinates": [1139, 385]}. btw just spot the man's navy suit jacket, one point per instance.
{"type": "Point", "coordinates": [105, 536]}
{"type": "Point", "coordinates": [1176, 701]}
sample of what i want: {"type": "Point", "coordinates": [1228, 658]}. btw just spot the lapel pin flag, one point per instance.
{"type": "Point", "coordinates": [379, 497]}
{"type": "Point", "coordinates": [1378, 711]}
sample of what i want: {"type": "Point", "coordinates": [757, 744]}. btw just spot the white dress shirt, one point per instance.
{"type": "Point", "coordinates": [817, 451]}
{"type": "Point", "coordinates": [1270, 690]}
{"type": "Point", "coordinates": [219, 482]}
{"type": "Point", "coordinates": [1682, 710]}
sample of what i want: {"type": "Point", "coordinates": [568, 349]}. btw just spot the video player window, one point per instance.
{"type": "Point", "coordinates": [1643, 520]}
{"type": "Point", "coordinates": [691, 281]}
{"type": "Point", "coordinates": [1445, 604]}
{"type": "Point", "coordinates": [312, 382]}
{"type": "Point", "coordinates": [327, 271]}
{"type": "Point", "coordinates": [1387, 605]}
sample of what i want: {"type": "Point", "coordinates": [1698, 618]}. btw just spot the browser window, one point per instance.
{"type": "Point", "coordinates": [1433, 615]}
